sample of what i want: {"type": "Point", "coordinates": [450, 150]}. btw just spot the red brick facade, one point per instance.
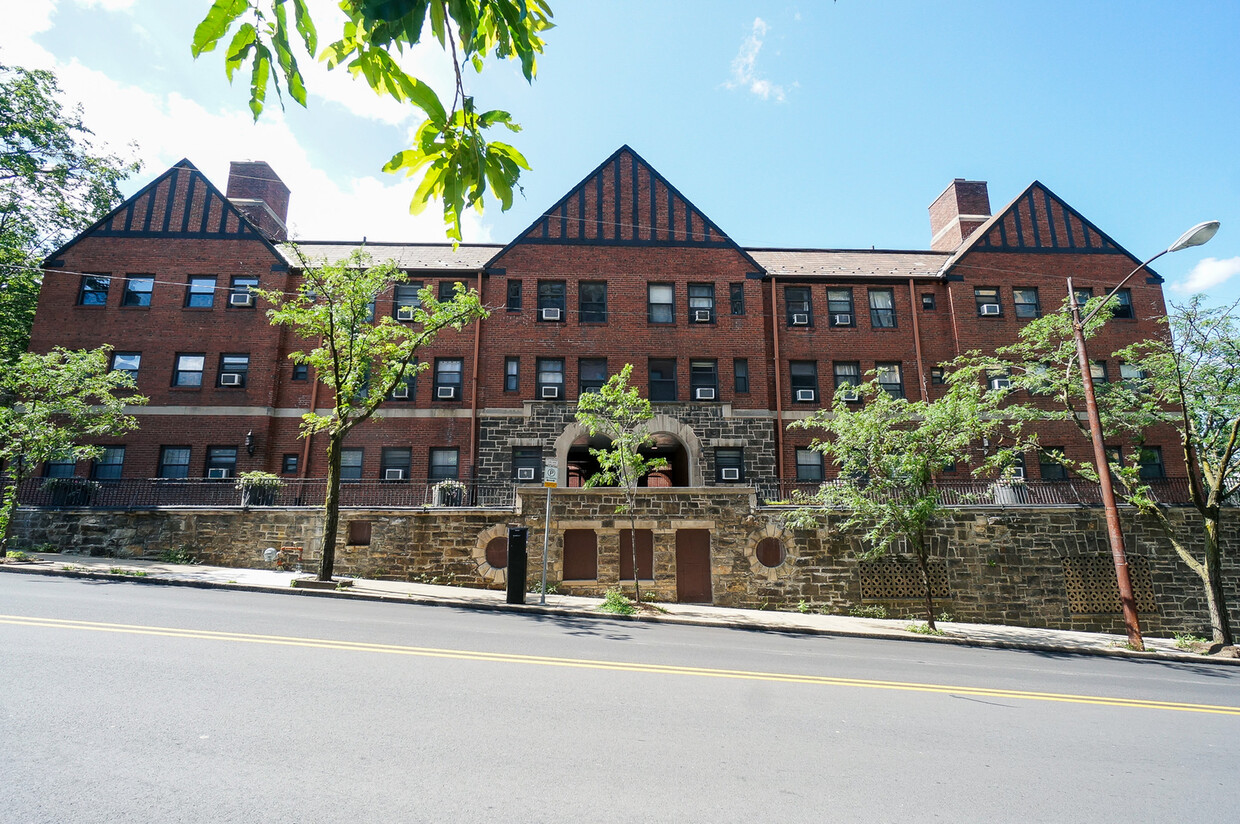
{"type": "Point", "coordinates": [624, 226]}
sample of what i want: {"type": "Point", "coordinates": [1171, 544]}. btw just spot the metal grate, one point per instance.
{"type": "Point", "coordinates": [1090, 580]}
{"type": "Point", "coordinates": [892, 579]}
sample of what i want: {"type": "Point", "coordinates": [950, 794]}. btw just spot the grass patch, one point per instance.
{"type": "Point", "coordinates": [868, 611]}
{"type": "Point", "coordinates": [617, 603]}
{"type": "Point", "coordinates": [922, 628]}
{"type": "Point", "coordinates": [17, 555]}
{"type": "Point", "coordinates": [133, 573]}
{"type": "Point", "coordinates": [1188, 641]}
{"type": "Point", "coordinates": [178, 555]}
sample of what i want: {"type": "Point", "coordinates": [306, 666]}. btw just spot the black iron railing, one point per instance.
{"type": "Point", "coordinates": [1073, 492]}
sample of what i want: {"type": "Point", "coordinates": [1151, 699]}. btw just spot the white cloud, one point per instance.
{"type": "Point", "coordinates": [22, 21]}
{"type": "Point", "coordinates": [744, 73]}
{"type": "Point", "coordinates": [1208, 273]}
{"type": "Point", "coordinates": [108, 5]}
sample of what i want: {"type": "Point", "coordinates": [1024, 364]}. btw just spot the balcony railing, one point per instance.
{"type": "Point", "coordinates": [1073, 492]}
{"type": "Point", "coordinates": [150, 493]}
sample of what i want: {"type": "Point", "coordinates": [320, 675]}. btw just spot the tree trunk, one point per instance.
{"type": "Point", "coordinates": [331, 507]}
{"type": "Point", "coordinates": [8, 511]}
{"type": "Point", "coordinates": [1212, 577]}
{"type": "Point", "coordinates": [923, 561]}
{"type": "Point", "coordinates": [637, 587]}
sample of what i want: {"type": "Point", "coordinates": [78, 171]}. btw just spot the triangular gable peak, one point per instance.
{"type": "Point", "coordinates": [180, 203]}
{"type": "Point", "coordinates": [1039, 221]}
{"type": "Point", "coordinates": [625, 202]}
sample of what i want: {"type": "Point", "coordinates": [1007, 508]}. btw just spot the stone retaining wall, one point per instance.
{"type": "Point", "coordinates": [1013, 566]}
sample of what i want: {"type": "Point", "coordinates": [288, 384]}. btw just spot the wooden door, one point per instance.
{"type": "Point", "coordinates": [693, 566]}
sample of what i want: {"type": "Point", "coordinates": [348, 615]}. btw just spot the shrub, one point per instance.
{"type": "Point", "coordinates": [868, 611]}
{"type": "Point", "coordinates": [617, 603]}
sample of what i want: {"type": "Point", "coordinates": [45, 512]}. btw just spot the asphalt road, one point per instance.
{"type": "Point", "coordinates": [132, 703]}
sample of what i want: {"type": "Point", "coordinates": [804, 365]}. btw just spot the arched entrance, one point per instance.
{"type": "Point", "coordinates": [673, 441]}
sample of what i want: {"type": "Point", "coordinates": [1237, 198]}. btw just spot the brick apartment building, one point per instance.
{"type": "Point", "coordinates": [731, 343]}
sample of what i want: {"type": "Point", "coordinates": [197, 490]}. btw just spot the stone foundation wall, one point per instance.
{"type": "Point", "coordinates": [993, 565]}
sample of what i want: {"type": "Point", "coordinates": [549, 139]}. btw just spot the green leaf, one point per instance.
{"type": "Point", "coordinates": [258, 79]}
{"type": "Point", "coordinates": [219, 19]}
{"type": "Point", "coordinates": [305, 26]}
{"type": "Point", "coordinates": [242, 43]}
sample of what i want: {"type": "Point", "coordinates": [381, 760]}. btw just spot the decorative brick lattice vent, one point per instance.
{"type": "Point", "coordinates": [1090, 580]}
{"type": "Point", "coordinates": [899, 579]}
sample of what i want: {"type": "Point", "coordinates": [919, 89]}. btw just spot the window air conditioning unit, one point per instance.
{"type": "Point", "coordinates": [800, 319]}
{"type": "Point", "coordinates": [447, 392]}
{"type": "Point", "coordinates": [525, 473]}
{"type": "Point", "coordinates": [393, 474]}
{"type": "Point", "coordinates": [730, 473]}
{"type": "Point", "coordinates": [990, 308]}
{"type": "Point", "coordinates": [849, 394]}
{"type": "Point", "coordinates": [1017, 473]}
{"type": "Point", "coordinates": [704, 393]}
{"type": "Point", "coordinates": [701, 316]}
{"type": "Point", "coordinates": [217, 472]}
{"type": "Point", "coordinates": [805, 394]}
{"type": "Point", "coordinates": [230, 379]}
{"type": "Point", "coordinates": [405, 313]}
{"type": "Point", "coordinates": [1000, 383]}
{"type": "Point", "coordinates": [551, 313]}
{"type": "Point", "coordinates": [552, 392]}
{"type": "Point", "coordinates": [843, 320]}
{"type": "Point", "coordinates": [401, 392]}
{"type": "Point", "coordinates": [241, 299]}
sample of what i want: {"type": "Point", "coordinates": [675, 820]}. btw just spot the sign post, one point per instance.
{"type": "Point", "coordinates": [551, 475]}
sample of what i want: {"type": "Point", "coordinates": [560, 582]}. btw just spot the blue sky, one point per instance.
{"type": "Point", "coordinates": [806, 124]}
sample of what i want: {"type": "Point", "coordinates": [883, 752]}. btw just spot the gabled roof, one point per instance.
{"type": "Point", "coordinates": [858, 263]}
{"type": "Point", "coordinates": [180, 203]}
{"type": "Point", "coordinates": [625, 202]}
{"type": "Point", "coordinates": [1039, 221]}
{"type": "Point", "coordinates": [432, 257]}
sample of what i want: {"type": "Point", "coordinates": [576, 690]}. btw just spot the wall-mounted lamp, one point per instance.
{"type": "Point", "coordinates": [249, 442]}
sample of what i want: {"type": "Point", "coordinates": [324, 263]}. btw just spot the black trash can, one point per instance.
{"type": "Point", "coordinates": [518, 562]}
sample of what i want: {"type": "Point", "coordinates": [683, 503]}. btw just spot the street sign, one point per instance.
{"type": "Point", "coordinates": [551, 474]}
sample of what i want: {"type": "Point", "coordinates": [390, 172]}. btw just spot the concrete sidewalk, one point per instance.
{"type": "Point", "coordinates": [980, 635]}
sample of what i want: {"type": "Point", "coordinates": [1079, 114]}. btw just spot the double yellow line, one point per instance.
{"type": "Point", "coordinates": [620, 666]}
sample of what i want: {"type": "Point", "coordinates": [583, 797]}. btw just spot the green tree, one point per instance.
{"type": "Point", "coordinates": [618, 412]}
{"type": "Point", "coordinates": [54, 181]}
{"type": "Point", "coordinates": [359, 357]}
{"type": "Point", "coordinates": [457, 162]}
{"type": "Point", "coordinates": [51, 406]}
{"type": "Point", "coordinates": [887, 451]}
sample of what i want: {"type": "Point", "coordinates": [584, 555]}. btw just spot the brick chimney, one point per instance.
{"type": "Point", "coordinates": [963, 206]}
{"type": "Point", "coordinates": [255, 189]}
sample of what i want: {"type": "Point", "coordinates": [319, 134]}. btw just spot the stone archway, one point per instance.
{"type": "Point", "coordinates": [674, 440]}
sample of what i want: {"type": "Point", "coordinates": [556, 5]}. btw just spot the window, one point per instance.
{"type": "Point", "coordinates": [847, 374]}
{"type": "Point", "coordinates": [551, 301]}
{"type": "Point", "coordinates": [591, 374]}
{"type": "Point", "coordinates": [740, 375]}
{"type": "Point", "coordinates": [188, 371]}
{"type": "Point", "coordinates": [660, 303]}
{"type": "Point", "coordinates": [405, 300]}
{"type": "Point", "coordinates": [804, 382]}
{"type": "Point", "coordinates": [809, 466]}
{"type": "Point", "coordinates": [1151, 463]}
{"type": "Point", "coordinates": [351, 464]}
{"type": "Point", "coordinates": [890, 379]}
{"type": "Point", "coordinates": [107, 467]}
{"type": "Point", "coordinates": [662, 379]}
{"type": "Point", "coordinates": [394, 463]}
{"type": "Point", "coordinates": [200, 293]}
{"type": "Point", "coordinates": [443, 464]}
{"type": "Point", "coordinates": [800, 310]}
{"type": "Point", "coordinates": [1098, 371]}
{"type": "Point", "coordinates": [937, 377]}
{"type": "Point", "coordinates": [701, 303]}
{"type": "Point", "coordinates": [736, 296]}
{"type": "Point", "coordinates": [358, 533]}
{"type": "Point", "coordinates": [1025, 299]}
{"type": "Point", "coordinates": [512, 374]}
{"type": "Point", "coordinates": [221, 461]}
{"type": "Point", "coordinates": [173, 462]}
{"type": "Point", "coordinates": [137, 291]}
{"type": "Point", "coordinates": [239, 294]}
{"type": "Point", "coordinates": [526, 463]}
{"type": "Point", "coordinates": [592, 301]}
{"type": "Point", "coordinates": [1083, 294]}
{"type": "Point", "coordinates": [1049, 467]}
{"type": "Point", "coordinates": [987, 300]}
{"type": "Point", "coordinates": [447, 291]}
{"type": "Point", "coordinates": [514, 296]}
{"type": "Point", "coordinates": [882, 308]}
{"type": "Point", "coordinates": [1133, 377]}
{"type": "Point", "coordinates": [1123, 309]}
{"type": "Point", "coordinates": [448, 378]}
{"type": "Point", "coordinates": [406, 389]}
{"type": "Point", "coordinates": [62, 466]}
{"type": "Point", "coordinates": [998, 379]}
{"type": "Point", "coordinates": [770, 552]}
{"type": "Point", "coordinates": [1016, 470]}
{"type": "Point", "coordinates": [840, 307]}
{"type": "Point", "coordinates": [729, 465]}
{"type": "Point", "coordinates": [94, 290]}
{"type": "Point", "coordinates": [550, 382]}
{"type": "Point", "coordinates": [703, 380]}
{"type": "Point", "coordinates": [927, 301]}
{"type": "Point", "coordinates": [288, 464]}
{"type": "Point", "coordinates": [233, 370]}
{"type": "Point", "coordinates": [301, 372]}
{"type": "Point", "coordinates": [127, 362]}
{"type": "Point", "coordinates": [1115, 455]}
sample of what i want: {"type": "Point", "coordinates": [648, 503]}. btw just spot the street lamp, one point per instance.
{"type": "Point", "coordinates": [1195, 236]}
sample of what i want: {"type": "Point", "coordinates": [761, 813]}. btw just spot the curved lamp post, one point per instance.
{"type": "Point", "coordinates": [1199, 234]}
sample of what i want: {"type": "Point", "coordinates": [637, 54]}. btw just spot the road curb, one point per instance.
{"type": "Point", "coordinates": [538, 609]}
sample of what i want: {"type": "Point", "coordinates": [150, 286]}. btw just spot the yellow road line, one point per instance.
{"type": "Point", "coordinates": [585, 663]}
